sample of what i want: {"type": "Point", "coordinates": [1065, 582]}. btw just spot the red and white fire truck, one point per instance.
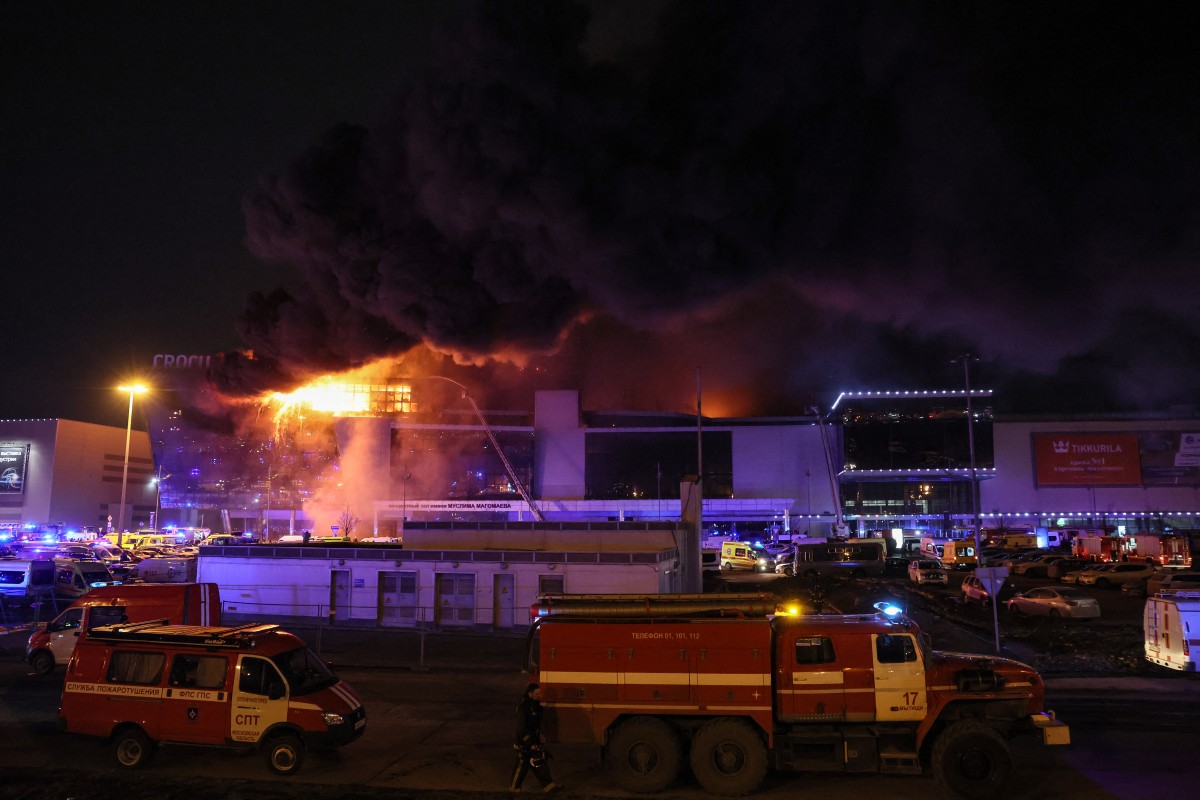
{"type": "Point", "coordinates": [1097, 547]}
{"type": "Point", "coordinates": [729, 687]}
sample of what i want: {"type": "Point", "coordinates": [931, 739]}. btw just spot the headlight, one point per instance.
{"type": "Point", "coordinates": [333, 719]}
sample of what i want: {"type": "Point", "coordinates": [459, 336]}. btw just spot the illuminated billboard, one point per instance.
{"type": "Point", "coordinates": [1144, 458]}
{"type": "Point", "coordinates": [1087, 459]}
{"type": "Point", "coordinates": [13, 458]}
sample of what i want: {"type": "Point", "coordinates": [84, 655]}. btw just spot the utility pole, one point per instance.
{"type": "Point", "coordinates": [993, 578]}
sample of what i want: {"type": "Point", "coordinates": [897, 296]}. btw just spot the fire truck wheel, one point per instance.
{"type": "Point", "coordinates": [644, 755]}
{"type": "Point", "coordinates": [133, 748]}
{"type": "Point", "coordinates": [284, 754]}
{"type": "Point", "coordinates": [42, 662]}
{"type": "Point", "coordinates": [972, 761]}
{"type": "Point", "coordinates": [728, 757]}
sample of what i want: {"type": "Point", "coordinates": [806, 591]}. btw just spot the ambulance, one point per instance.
{"type": "Point", "coordinates": [1171, 625]}
{"type": "Point", "coordinates": [250, 687]}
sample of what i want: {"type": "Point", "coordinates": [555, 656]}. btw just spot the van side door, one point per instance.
{"type": "Point", "coordinates": [195, 698]}
{"type": "Point", "coordinates": [63, 633]}
{"type": "Point", "coordinates": [260, 699]}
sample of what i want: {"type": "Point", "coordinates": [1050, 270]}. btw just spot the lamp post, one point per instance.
{"type": "Point", "coordinates": [158, 479]}
{"type": "Point", "coordinates": [133, 389]}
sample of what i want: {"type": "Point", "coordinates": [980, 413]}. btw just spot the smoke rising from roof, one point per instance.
{"type": "Point", "coordinates": [797, 198]}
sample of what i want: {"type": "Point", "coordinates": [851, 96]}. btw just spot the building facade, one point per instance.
{"type": "Point", "coordinates": [62, 475]}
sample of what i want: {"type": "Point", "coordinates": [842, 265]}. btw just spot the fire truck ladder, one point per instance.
{"type": "Point", "coordinates": [512, 474]}
{"type": "Point", "coordinates": [757, 604]}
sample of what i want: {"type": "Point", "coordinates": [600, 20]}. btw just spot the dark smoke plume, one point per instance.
{"type": "Point", "coordinates": [796, 197]}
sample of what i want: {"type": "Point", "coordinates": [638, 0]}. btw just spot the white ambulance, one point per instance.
{"type": "Point", "coordinates": [1172, 630]}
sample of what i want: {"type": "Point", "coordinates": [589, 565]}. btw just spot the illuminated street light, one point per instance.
{"type": "Point", "coordinates": [136, 388]}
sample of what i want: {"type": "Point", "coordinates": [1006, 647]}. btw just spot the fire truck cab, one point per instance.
{"type": "Point", "coordinates": [731, 688]}
{"type": "Point", "coordinates": [245, 687]}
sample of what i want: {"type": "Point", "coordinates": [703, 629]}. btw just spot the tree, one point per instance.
{"type": "Point", "coordinates": [347, 521]}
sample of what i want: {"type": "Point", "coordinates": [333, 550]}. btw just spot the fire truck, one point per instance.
{"type": "Point", "coordinates": [1097, 548]}
{"type": "Point", "coordinates": [1179, 548]}
{"type": "Point", "coordinates": [730, 687]}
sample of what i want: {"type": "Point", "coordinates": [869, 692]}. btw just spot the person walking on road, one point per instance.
{"type": "Point", "coordinates": [528, 743]}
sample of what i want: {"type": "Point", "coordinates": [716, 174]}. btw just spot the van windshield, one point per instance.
{"type": "Point", "coordinates": [305, 672]}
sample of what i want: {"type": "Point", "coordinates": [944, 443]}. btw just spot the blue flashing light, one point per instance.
{"type": "Point", "coordinates": [889, 610]}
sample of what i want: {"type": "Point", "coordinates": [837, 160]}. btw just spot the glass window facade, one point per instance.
{"type": "Point", "coordinates": [649, 465]}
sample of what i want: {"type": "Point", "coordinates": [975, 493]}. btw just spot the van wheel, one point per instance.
{"type": "Point", "coordinates": [972, 761]}
{"type": "Point", "coordinates": [644, 755]}
{"type": "Point", "coordinates": [728, 757]}
{"type": "Point", "coordinates": [42, 662]}
{"type": "Point", "coordinates": [133, 748]}
{"type": "Point", "coordinates": [285, 754]}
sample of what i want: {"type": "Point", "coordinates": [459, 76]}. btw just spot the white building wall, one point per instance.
{"type": "Point", "coordinates": [559, 445]}
{"type": "Point", "coordinates": [1015, 489]}
{"type": "Point", "coordinates": [279, 587]}
{"type": "Point", "coordinates": [783, 461]}
{"type": "Point", "coordinates": [65, 479]}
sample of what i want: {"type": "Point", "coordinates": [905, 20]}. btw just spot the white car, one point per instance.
{"type": "Point", "coordinates": [926, 570]}
{"type": "Point", "coordinates": [1117, 575]}
{"type": "Point", "coordinates": [1055, 601]}
{"type": "Point", "coordinates": [974, 591]}
{"type": "Point", "coordinates": [1173, 581]}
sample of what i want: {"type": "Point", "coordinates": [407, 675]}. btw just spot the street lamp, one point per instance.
{"type": "Point", "coordinates": [136, 388]}
{"type": "Point", "coordinates": [158, 479]}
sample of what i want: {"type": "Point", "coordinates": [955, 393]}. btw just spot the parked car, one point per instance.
{"type": "Point", "coordinates": [1036, 567]}
{"type": "Point", "coordinates": [1065, 565]}
{"type": "Point", "coordinates": [1013, 559]}
{"type": "Point", "coordinates": [1055, 601]}
{"type": "Point", "coordinates": [1091, 566]}
{"type": "Point", "coordinates": [973, 591]}
{"type": "Point", "coordinates": [926, 570]}
{"type": "Point", "coordinates": [1118, 574]}
{"type": "Point", "coordinates": [1172, 581]}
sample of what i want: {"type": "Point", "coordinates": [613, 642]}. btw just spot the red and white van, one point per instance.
{"type": "Point", "coordinates": [247, 687]}
{"type": "Point", "coordinates": [52, 644]}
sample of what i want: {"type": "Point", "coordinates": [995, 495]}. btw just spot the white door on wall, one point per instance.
{"type": "Point", "coordinates": [398, 599]}
{"type": "Point", "coordinates": [339, 595]}
{"type": "Point", "coordinates": [455, 600]}
{"type": "Point", "coordinates": [503, 600]}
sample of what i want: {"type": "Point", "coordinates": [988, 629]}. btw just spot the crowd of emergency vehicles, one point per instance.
{"type": "Point", "coordinates": [727, 686]}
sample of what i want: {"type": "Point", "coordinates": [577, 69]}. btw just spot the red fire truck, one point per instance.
{"type": "Point", "coordinates": [1180, 547]}
{"type": "Point", "coordinates": [729, 687]}
{"type": "Point", "coordinates": [1097, 548]}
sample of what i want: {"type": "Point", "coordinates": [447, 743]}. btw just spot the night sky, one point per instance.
{"type": "Point", "coordinates": [795, 198]}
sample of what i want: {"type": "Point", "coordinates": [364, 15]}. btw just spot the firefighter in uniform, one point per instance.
{"type": "Point", "coordinates": [528, 743]}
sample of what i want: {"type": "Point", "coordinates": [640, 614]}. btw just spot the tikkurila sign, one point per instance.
{"type": "Point", "coordinates": [1087, 459]}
